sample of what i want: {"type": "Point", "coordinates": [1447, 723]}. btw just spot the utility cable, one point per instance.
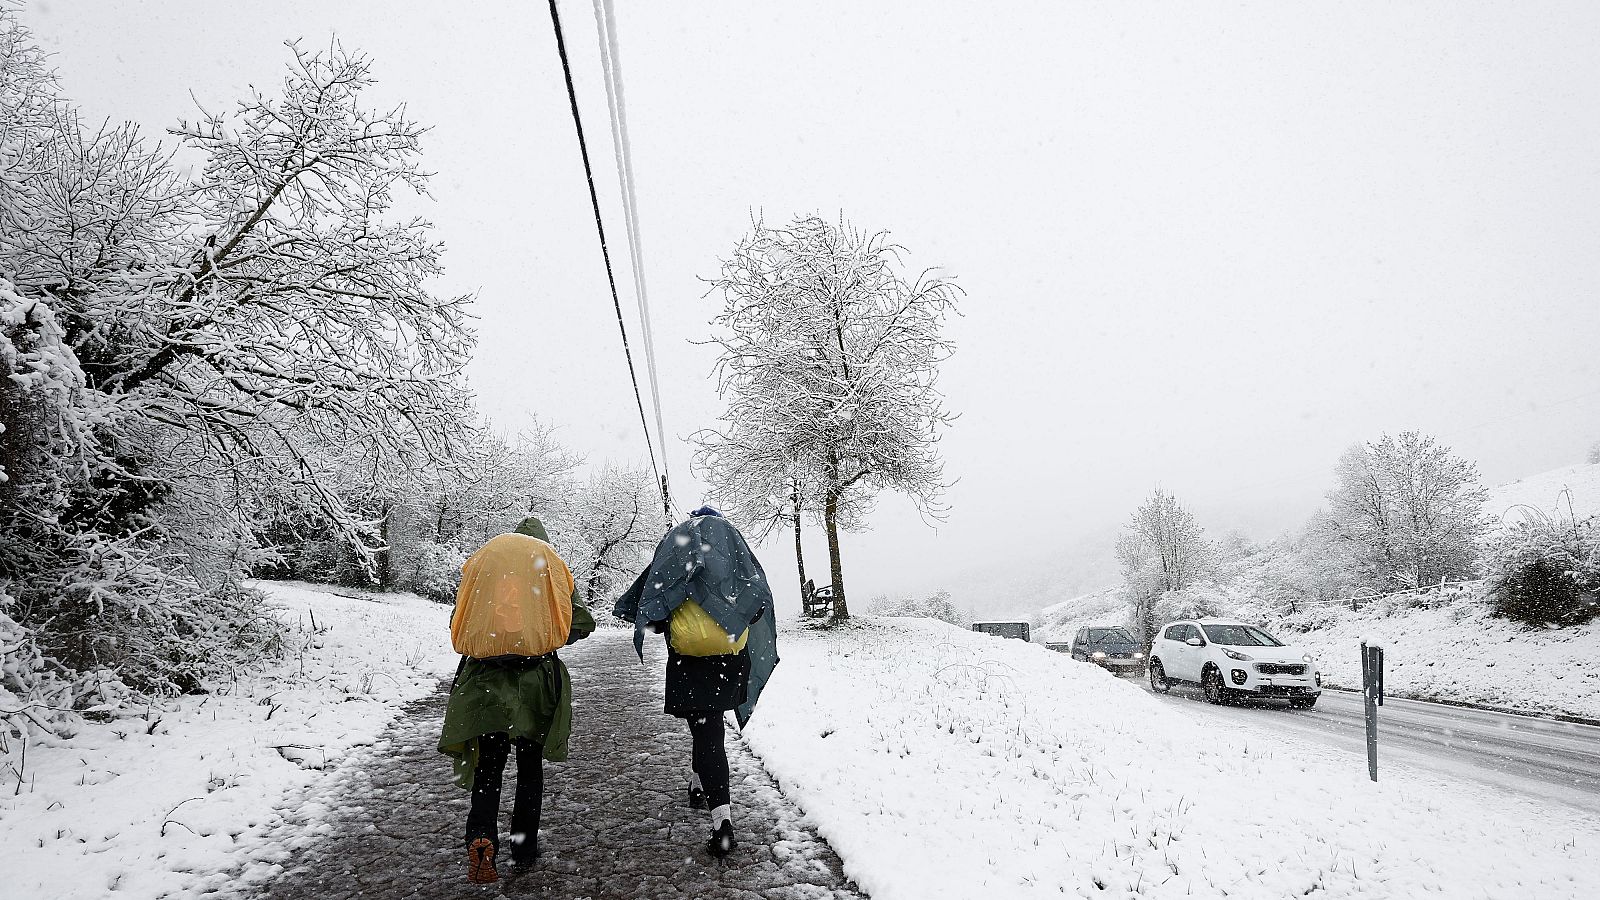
{"type": "Point", "coordinates": [605, 252]}
{"type": "Point", "coordinates": [622, 147]}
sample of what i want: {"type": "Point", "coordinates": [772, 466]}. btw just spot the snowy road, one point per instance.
{"type": "Point", "coordinates": [1541, 758]}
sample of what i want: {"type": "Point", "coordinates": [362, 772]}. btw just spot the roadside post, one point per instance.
{"type": "Point", "coordinates": [1371, 699]}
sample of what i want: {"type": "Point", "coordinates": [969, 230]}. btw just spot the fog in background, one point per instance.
{"type": "Point", "coordinates": [1206, 246]}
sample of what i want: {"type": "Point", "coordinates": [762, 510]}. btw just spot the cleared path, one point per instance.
{"type": "Point", "coordinates": [616, 820]}
{"type": "Point", "coordinates": [1543, 758]}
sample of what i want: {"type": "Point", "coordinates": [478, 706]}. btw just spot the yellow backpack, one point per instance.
{"type": "Point", "coordinates": [693, 632]}
{"type": "Point", "coordinates": [515, 598]}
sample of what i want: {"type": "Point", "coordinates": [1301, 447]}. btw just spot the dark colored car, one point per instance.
{"type": "Point", "coordinates": [1110, 647]}
{"type": "Point", "coordinates": [1018, 630]}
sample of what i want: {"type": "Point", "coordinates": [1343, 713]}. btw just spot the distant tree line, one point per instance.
{"type": "Point", "coordinates": [933, 606]}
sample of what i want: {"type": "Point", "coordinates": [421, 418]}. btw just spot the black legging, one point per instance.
{"type": "Point", "coordinates": [484, 816]}
{"type": "Point", "coordinates": [710, 758]}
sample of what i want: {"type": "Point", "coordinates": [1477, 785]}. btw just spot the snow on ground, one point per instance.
{"type": "Point", "coordinates": [946, 764]}
{"type": "Point", "coordinates": [1570, 492]}
{"type": "Point", "coordinates": [166, 803]}
{"type": "Point", "coordinates": [1460, 653]}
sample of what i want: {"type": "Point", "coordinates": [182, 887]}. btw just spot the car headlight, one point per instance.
{"type": "Point", "coordinates": [1308, 658]}
{"type": "Point", "coordinates": [1234, 654]}
{"type": "Point", "coordinates": [1098, 654]}
{"type": "Point", "coordinates": [1138, 656]}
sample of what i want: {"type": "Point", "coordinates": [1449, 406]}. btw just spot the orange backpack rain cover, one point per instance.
{"type": "Point", "coordinates": [515, 598]}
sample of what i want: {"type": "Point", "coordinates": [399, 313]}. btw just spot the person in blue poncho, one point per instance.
{"type": "Point", "coordinates": [706, 591]}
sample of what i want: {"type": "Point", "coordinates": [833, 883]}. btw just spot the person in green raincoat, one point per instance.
{"type": "Point", "coordinates": [514, 608]}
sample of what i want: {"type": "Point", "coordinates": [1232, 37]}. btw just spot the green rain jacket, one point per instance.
{"type": "Point", "coordinates": [525, 697]}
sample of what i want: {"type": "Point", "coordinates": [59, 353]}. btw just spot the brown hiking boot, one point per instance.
{"type": "Point", "coordinates": [480, 862]}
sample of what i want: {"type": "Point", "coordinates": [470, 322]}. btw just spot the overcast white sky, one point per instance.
{"type": "Point", "coordinates": [1206, 245]}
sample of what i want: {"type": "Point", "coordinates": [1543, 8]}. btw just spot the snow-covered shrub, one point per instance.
{"type": "Point", "coordinates": [1546, 572]}
{"type": "Point", "coordinates": [323, 559]}
{"type": "Point", "coordinates": [116, 605]}
{"type": "Point", "coordinates": [37, 693]}
{"type": "Point", "coordinates": [1198, 600]}
{"type": "Point", "coordinates": [44, 410]}
{"type": "Point", "coordinates": [438, 572]}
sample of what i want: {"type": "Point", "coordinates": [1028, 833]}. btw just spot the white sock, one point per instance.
{"type": "Point", "coordinates": [694, 780]}
{"type": "Point", "coordinates": [723, 813]}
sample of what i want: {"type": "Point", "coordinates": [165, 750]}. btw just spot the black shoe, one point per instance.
{"type": "Point", "coordinates": [524, 853]}
{"type": "Point", "coordinates": [697, 797]}
{"type": "Point", "coordinates": [721, 843]}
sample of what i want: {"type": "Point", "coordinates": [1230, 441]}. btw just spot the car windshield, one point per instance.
{"type": "Point", "coordinates": [1240, 636]}
{"type": "Point", "coordinates": [1109, 637]}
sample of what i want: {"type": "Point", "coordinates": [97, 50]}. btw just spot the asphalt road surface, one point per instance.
{"type": "Point", "coordinates": [1543, 758]}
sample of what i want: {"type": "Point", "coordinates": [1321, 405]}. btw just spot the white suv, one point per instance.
{"type": "Point", "coordinates": [1230, 660]}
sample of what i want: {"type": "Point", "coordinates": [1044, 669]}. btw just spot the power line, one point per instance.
{"type": "Point", "coordinates": [611, 59]}
{"type": "Point", "coordinates": [605, 252]}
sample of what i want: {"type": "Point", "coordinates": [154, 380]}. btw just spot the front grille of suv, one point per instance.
{"type": "Point", "coordinates": [1281, 669]}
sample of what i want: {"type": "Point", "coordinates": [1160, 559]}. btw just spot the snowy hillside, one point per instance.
{"type": "Point", "coordinates": [1062, 620]}
{"type": "Point", "coordinates": [1458, 652]}
{"type": "Point", "coordinates": [168, 802]}
{"type": "Point", "coordinates": [1550, 493]}
{"type": "Point", "coordinates": [968, 766]}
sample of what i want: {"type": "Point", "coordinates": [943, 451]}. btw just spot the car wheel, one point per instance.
{"type": "Point", "coordinates": [1158, 678]}
{"type": "Point", "coordinates": [1216, 692]}
{"type": "Point", "coordinates": [1303, 703]}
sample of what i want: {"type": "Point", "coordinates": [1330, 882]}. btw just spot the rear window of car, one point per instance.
{"type": "Point", "coordinates": [1240, 636]}
{"type": "Point", "coordinates": [1178, 633]}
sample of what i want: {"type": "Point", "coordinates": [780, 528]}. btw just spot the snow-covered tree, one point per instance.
{"type": "Point", "coordinates": [611, 526]}
{"type": "Point", "coordinates": [1162, 549]}
{"type": "Point", "coordinates": [188, 358]}
{"type": "Point", "coordinates": [299, 326]}
{"type": "Point", "coordinates": [1411, 511]}
{"type": "Point", "coordinates": [829, 362]}
{"type": "Point", "coordinates": [434, 522]}
{"type": "Point", "coordinates": [756, 487]}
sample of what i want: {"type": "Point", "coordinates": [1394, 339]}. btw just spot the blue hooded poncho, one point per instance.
{"type": "Point", "coordinates": [707, 558]}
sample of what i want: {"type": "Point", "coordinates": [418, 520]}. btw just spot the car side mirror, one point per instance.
{"type": "Point", "coordinates": [1195, 642]}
